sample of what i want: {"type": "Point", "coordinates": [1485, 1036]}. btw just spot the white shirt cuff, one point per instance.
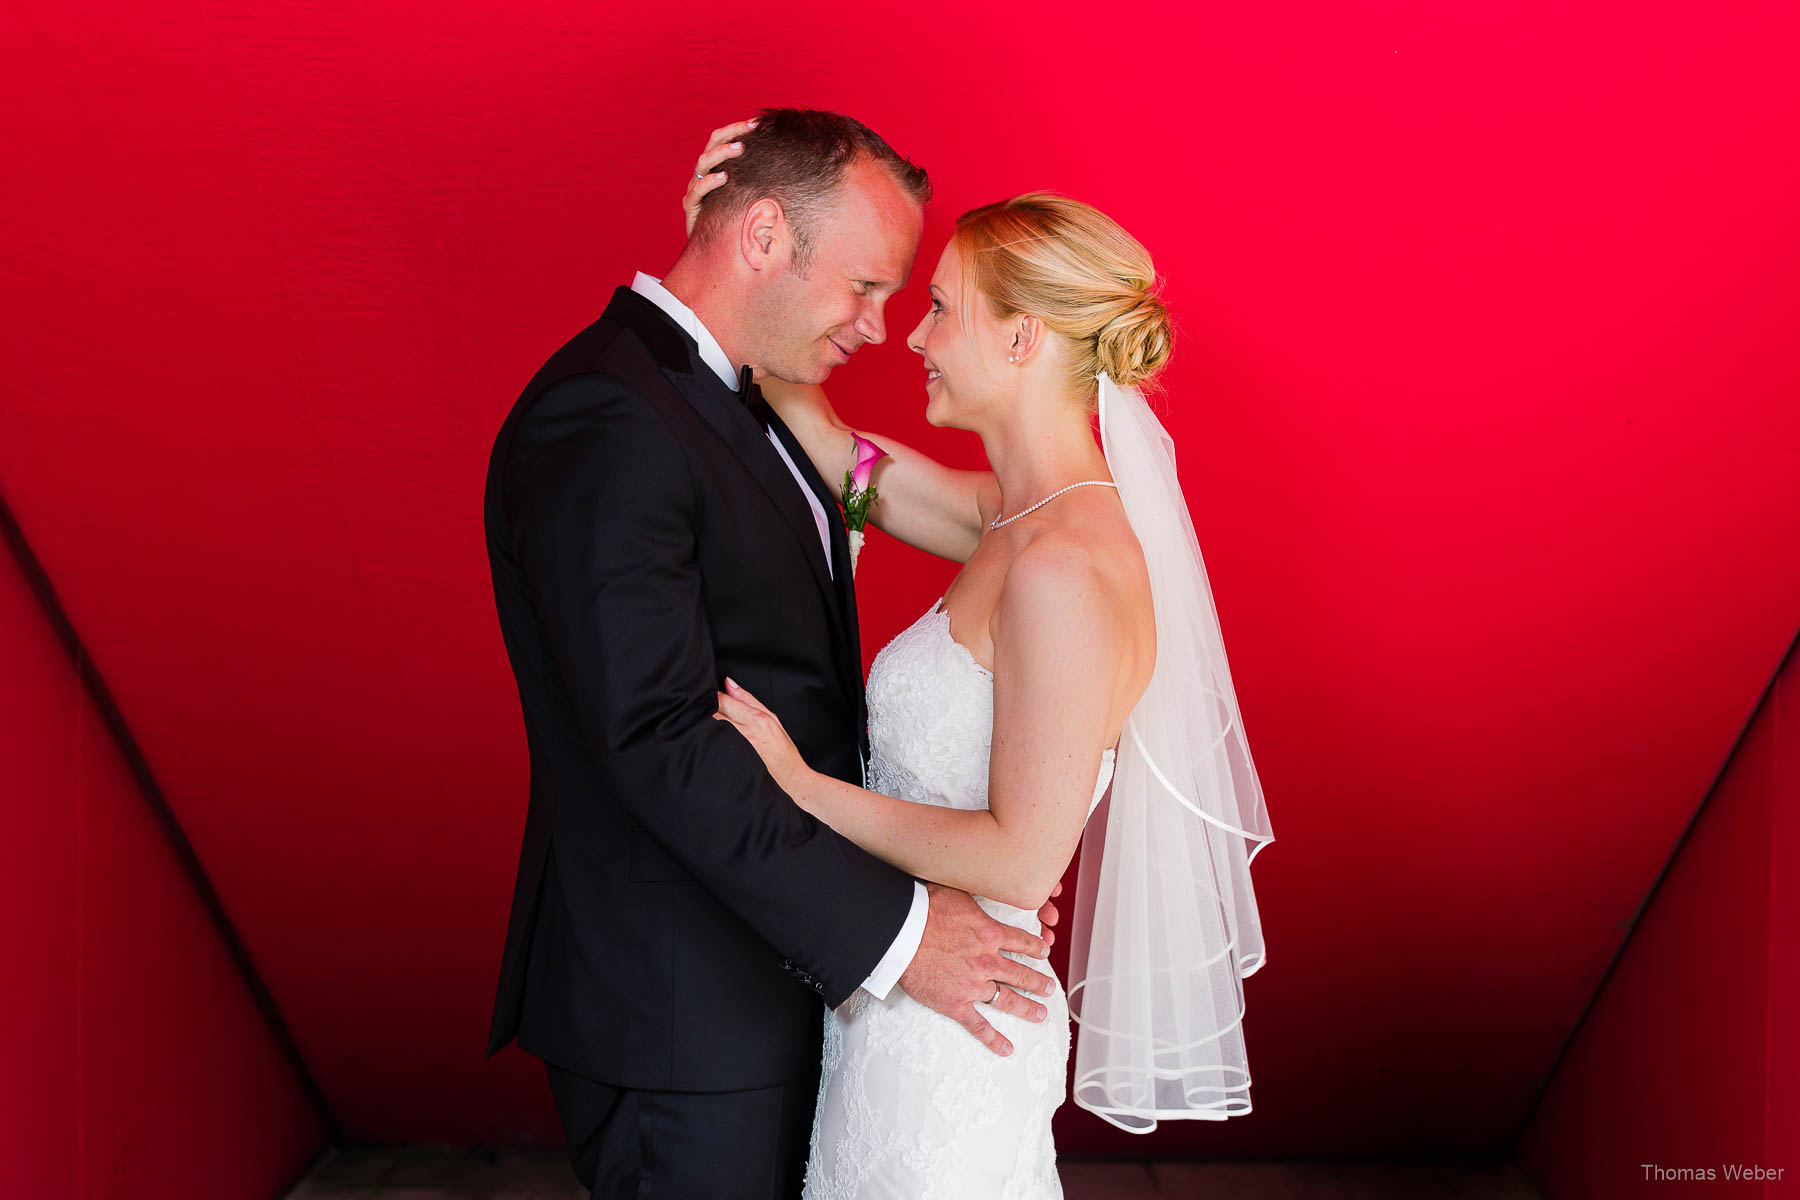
{"type": "Point", "coordinates": [899, 956]}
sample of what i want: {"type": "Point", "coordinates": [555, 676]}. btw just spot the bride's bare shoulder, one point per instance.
{"type": "Point", "coordinates": [1056, 612]}
{"type": "Point", "coordinates": [1076, 599]}
{"type": "Point", "coordinates": [1088, 564]}
{"type": "Point", "coordinates": [1097, 529]}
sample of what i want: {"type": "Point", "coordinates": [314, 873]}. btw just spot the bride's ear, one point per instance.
{"type": "Point", "coordinates": [1027, 335]}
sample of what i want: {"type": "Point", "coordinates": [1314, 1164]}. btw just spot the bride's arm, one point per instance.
{"type": "Point", "coordinates": [1059, 642]}
{"type": "Point", "coordinates": [919, 500]}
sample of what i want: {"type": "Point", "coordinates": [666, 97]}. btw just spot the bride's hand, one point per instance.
{"type": "Point", "coordinates": [765, 732]}
{"type": "Point", "coordinates": [1048, 916]}
{"type": "Point", "coordinates": [707, 175]}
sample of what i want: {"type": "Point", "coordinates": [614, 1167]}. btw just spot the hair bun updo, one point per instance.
{"type": "Point", "coordinates": [1077, 270]}
{"type": "Point", "coordinates": [1134, 344]}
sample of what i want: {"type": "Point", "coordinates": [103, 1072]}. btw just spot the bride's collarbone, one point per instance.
{"type": "Point", "coordinates": [1102, 532]}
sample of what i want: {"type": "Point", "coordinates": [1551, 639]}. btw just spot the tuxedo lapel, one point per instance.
{"type": "Point", "coordinates": [840, 552]}
{"type": "Point", "coordinates": [719, 406]}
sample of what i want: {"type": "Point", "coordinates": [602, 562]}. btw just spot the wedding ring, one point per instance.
{"type": "Point", "coordinates": [698, 175]}
{"type": "Point", "coordinates": [996, 994]}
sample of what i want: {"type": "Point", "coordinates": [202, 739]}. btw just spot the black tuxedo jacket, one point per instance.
{"type": "Point", "coordinates": [676, 918]}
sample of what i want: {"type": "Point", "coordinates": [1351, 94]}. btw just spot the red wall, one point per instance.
{"type": "Point", "coordinates": [1689, 1059]}
{"type": "Point", "coordinates": [1484, 396]}
{"type": "Point", "coordinates": [1781, 1117]}
{"type": "Point", "coordinates": [136, 1063]}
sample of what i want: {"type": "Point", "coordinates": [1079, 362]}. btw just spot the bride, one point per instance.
{"type": "Point", "coordinates": [1077, 648]}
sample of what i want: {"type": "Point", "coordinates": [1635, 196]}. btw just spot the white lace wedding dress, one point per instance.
{"type": "Point", "coordinates": [911, 1106]}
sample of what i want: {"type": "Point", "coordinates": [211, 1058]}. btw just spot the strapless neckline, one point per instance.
{"type": "Point", "coordinates": [937, 610]}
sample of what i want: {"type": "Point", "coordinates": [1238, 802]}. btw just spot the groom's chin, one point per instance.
{"type": "Point", "coordinates": [789, 375]}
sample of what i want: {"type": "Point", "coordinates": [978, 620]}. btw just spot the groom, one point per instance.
{"type": "Point", "coordinates": [653, 527]}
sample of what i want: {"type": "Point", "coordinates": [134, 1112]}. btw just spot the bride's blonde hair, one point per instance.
{"type": "Point", "coordinates": [1071, 266]}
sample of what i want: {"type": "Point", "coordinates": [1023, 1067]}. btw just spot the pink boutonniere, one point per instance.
{"type": "Point", "coordinates": [858, 495]}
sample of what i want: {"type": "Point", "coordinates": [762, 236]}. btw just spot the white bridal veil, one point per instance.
{"type": "Point", "coordinates": [1166, 926]}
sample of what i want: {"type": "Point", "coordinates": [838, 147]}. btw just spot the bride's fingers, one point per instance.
{"type": "Point", "coordinates": [697, 190]}
{"type": "Point", "coordinates": [707, 177]}
{"type": "Point", "coordinates": [716, 156]}
{"type": "Point", "coordinates": [736, 711]}
{"type": "Point", "coordinates": [719, 148]}
{"type": "Point", "coordinates": [690, 200]}
{"type": "Point", "coordinates": [1018, 1005]}
{"type": "Point", "coordinates": [698, 187]}
{"type": "Point", "coordinates": [743, 693]}
{"type": "Point", "coordinates": [726, 133]}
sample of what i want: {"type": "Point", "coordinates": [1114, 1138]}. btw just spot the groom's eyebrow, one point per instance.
{"type": "Point", "coordinates": [876, 278]}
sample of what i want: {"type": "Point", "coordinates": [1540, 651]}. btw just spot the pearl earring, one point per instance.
{"type": "Point", "coordinates": [1012, 358]}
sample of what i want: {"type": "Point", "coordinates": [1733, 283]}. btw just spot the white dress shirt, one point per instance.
{"type": "Point", "coordinates": [900, 953]}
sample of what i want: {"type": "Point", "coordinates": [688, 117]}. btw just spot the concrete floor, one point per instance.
{"type": "Point", "coordinates": [437, 1173]}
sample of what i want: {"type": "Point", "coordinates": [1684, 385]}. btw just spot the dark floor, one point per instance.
{"type": "Point", "coordinates": [435, 1173]}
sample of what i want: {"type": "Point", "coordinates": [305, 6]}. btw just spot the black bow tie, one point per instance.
{"type": "Point", "coordinates": [751, 397]}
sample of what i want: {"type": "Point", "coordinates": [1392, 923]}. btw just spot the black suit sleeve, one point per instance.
{"type": "Point", "coordinates": [601, 501]}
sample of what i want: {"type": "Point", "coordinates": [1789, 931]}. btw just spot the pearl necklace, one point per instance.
{"type": "Point", "coordinates": [997, 522]}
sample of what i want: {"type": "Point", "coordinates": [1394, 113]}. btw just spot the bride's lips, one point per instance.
{"type": "Point", "coordinates": [932, 375]}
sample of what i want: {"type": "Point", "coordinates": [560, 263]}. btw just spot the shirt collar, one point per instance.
{"type": "Point", "coordinates": [711, 353]}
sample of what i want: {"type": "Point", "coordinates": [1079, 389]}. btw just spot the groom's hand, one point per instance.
{"type": "Point", "coordinates": [959, 962]}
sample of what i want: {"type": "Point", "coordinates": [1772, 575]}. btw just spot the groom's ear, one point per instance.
{"type": "Point", "coordinates": [763, 236]}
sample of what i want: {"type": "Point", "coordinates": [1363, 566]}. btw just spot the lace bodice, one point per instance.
{"type": "Point", "coordinates": [931, 719]}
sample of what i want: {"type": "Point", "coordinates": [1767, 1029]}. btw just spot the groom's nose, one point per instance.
{"type": "Point", "coordinates": [871, 325]}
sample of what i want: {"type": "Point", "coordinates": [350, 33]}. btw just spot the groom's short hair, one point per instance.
{"type": "Point", "coordinates": [798, 157]}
